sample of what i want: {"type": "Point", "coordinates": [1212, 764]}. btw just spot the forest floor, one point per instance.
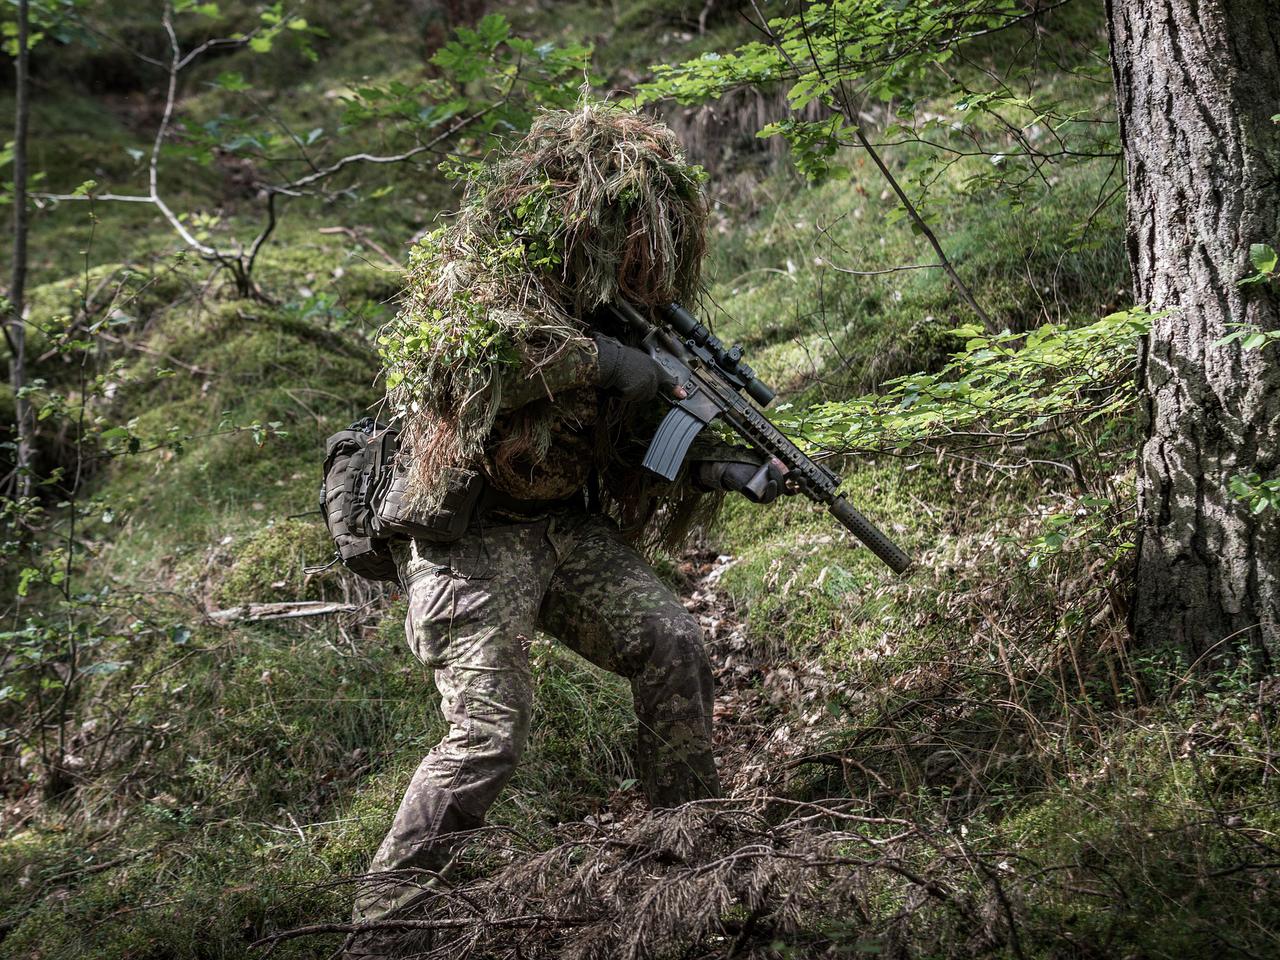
{"type": "Point", "coordinates": [969, 762]}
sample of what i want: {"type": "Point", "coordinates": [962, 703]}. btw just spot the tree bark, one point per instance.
{"type": "Point", "coordinates": [24, 424]}
{"type": "Point", "coordinates": [1197, 84]}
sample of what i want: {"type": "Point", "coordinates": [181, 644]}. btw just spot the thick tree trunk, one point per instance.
{"type": "Point", "coordinates": [1198, 82]}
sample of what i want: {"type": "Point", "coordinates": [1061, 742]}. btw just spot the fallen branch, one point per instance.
{"type": "Point", "coordinates": [281, 611]}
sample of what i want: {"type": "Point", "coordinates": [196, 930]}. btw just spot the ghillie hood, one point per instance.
{"type": "Point", "coordinates": [593, 204]}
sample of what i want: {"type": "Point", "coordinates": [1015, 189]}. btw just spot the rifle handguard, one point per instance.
{"type": "Point", "coordinates": [714, 383]}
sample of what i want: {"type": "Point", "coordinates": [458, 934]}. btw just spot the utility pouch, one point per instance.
{"type": "Point", "coordinates": [364, 500]}
{"type": "Point", "coordinates": [393, 515]}
{"type": "Point", "coordinates": [347, 475]}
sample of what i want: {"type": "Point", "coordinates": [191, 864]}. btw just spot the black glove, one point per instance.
{"type": "Point", "coordinates": [627, 372]}
{"type": "Point", "coordinates": [737, 475]}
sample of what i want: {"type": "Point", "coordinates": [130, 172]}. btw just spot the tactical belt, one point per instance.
{"type": "Point", "coordinates": [494, 501]}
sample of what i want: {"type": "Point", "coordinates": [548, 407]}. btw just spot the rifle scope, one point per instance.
{"type": "Point", "coordinates": [729, 360]}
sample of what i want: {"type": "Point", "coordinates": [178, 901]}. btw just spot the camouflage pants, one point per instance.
{"type": "Point", "coordinates": [473, 609]}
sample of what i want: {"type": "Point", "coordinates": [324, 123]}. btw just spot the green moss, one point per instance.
{"type": "Point", "coordinates": [269, 565]}
{"type": "Point", "coordinates": [583, 728]}
{"type": "Point", "coordinates": [1159, 830]}
{"type": "Point", "coordinates": [804, 582]}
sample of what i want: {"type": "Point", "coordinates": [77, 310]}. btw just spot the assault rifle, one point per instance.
{"type": "Point", "coordinates": [714, 379]}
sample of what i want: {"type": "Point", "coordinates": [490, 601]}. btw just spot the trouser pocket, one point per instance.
{"type": "Point", "coordinates": [448, 592]}
{"type": "Point", "coordinates": [432, 598]}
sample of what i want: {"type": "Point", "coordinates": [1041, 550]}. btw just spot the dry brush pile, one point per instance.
{"type": "Point", "coordinates": [725, 878]}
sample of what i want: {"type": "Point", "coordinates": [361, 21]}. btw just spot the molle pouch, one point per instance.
{"type": "Point", "coordinates": [393, 515]}
{"type": "Point", "coordinates": [346, 470]}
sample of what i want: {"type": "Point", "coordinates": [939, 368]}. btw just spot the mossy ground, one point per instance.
{"type": "Point", "coordinates": [251, 769]}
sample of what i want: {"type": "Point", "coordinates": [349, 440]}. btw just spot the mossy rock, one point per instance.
{"type": "Point", "coordinates": [269, 565]}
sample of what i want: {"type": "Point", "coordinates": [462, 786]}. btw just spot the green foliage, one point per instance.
{"type": "Point", "coordinates": [488, 75]}
{"type": "Point", "coordinates": [999, 388]}
{"type": "Point", "coordinates": [1252, 337]}
{"type": "Point", "coordinates": [1257, 494]}
{"type": "Point", "coordinates": [886, 52]}
{"type": "Point", "coordinates": [1264, 260]}
{"type": "Point", "coordinates": [833, 43]}
{"type": "Point", "coordinates": [1263, 257]}
{"type": "Point", "coordinates": [471, 335]}
{"type": "Point", "coordinates": [56, 20]}
{"type": "Point", "coordinates": [488, 82]}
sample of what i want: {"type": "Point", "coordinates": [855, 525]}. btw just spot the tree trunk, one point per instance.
{"type": "Point", "coordinates": [15, 329]}
{"type": "Point", "coordinates": [1197, 83]}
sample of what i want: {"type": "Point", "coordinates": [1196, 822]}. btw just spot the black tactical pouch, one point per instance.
{"type": "Point", "coordinates": [393, 516]}
{"type": "Point", "coordinates": [364, 503]}
{"type": "Point", "coordinates": [347, 475]}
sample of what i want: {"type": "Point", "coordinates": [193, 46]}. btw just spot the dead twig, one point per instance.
{"type": "Point", "coordinates": [251, 612]}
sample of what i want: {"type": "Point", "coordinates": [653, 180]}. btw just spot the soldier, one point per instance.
{"type": "Point", "coordinates": [537, 558]}
{"type": "Point", "coordinates": [540, 553]}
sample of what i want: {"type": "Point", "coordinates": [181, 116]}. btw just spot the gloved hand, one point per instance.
{"type": "Point", "coordinates": [627, 372]}
{"type": "Point", "coordinates": [736, 475]}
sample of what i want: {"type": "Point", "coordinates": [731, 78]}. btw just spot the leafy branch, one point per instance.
{"type": "Point", "coordinates": [1000, 389]}
{"type": "Point", "coordinates": [836, 56]}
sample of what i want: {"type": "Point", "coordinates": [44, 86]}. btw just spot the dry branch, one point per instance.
{"type": "Point", "coordinates": [250, 612]}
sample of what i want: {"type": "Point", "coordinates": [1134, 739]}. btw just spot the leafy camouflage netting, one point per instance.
{"type": "Point", "coordinates": [592, 204]}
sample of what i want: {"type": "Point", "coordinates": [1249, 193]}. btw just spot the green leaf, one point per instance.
{"type": "Point", "coordinates": [492, 29]}
{"type": "Point", "coordinates": [232, 81]}
{"type": "Point", "coordinates": [1263, 258]}
{"type": "Point", "coordinates": [28, 576]}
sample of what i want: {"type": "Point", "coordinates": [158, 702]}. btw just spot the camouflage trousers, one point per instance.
{"type": "Point", "coordinates": [473, 608]}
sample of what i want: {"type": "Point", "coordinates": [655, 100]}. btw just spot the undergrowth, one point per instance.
{"type": "Point", "coordinates": [969, 762]}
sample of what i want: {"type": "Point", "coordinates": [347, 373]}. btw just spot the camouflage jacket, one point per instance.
{"type": "Point", "coordinates": [554, 426]}
{"type": "Point", "coordinates": [543, 442]}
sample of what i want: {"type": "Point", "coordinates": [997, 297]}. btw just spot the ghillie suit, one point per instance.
{"type": "Point", "coordinates": [594, 204]}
